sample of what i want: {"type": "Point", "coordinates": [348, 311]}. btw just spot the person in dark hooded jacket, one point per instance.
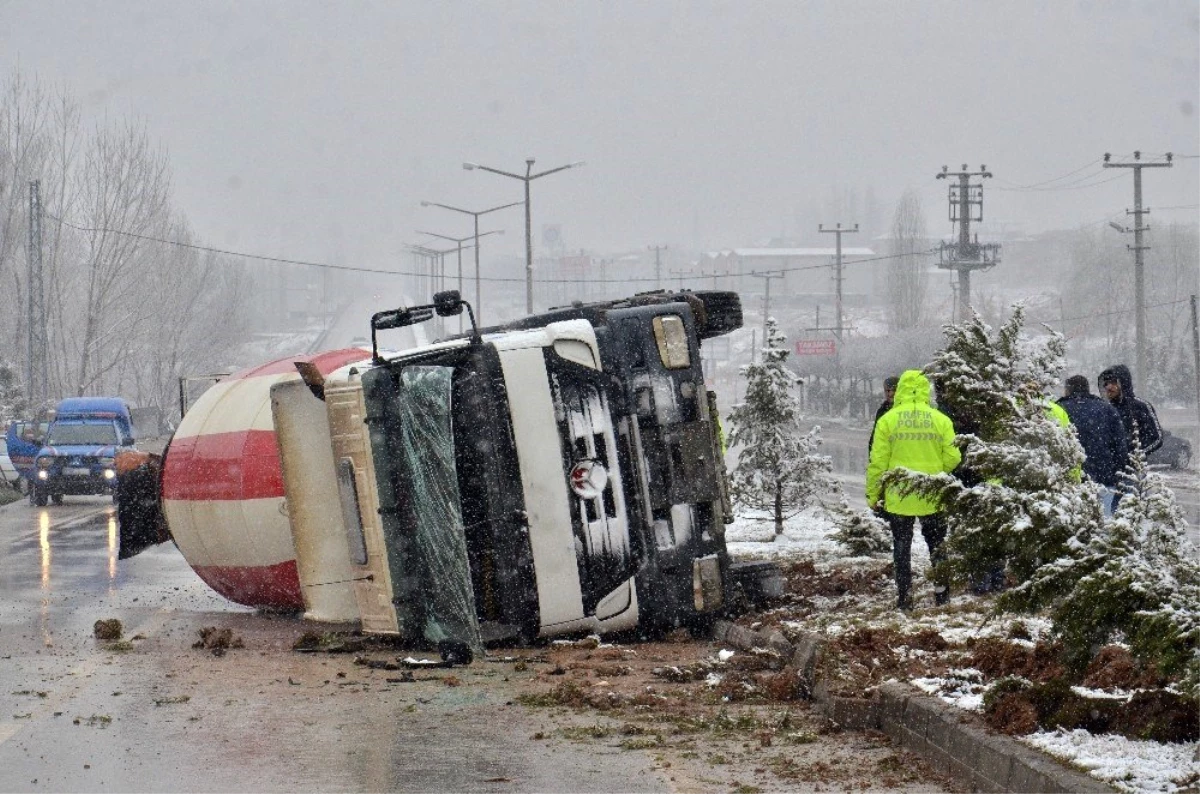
{"type": "Point", "coordinates": [1101, 434]}
{"type": "Point", "coordinates": [1137, 416]}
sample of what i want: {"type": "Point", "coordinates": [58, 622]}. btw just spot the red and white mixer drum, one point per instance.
{"type": "Point", "coordinates": [223, 488]}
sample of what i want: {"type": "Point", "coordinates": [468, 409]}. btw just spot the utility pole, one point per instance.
{"type": "Point", "coordinates": [966, 255]}
{"type": "Point", "coordinates": [657, 249]}
{"type": "Point", "coordinates": [767, 297]}
{"type": "Point", "coordinates": [1139, 264]}
{"type": "Point", "coordinates": [36, 375]}
{"type": "Point", "coordinates": [839, 231]}
{"type": "Point", "coordinates": [1196, 351]}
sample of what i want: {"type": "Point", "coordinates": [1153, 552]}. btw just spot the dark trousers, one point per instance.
{"type": "Point", "coordinates": [933, 528]}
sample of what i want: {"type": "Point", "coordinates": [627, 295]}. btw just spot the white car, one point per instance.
{"type": "Point", "coordinates": [7, 469]}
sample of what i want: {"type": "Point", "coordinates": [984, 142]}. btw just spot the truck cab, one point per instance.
{"type": "Point", "coordinates": [77, 456]}
{"type": "Point", "coordinates": [558, 474]}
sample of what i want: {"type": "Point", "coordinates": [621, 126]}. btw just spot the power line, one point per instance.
{"type": "Point", "coordinates": [1048, 181]}
{"type": "Point", "coordinates": [1074, 185]}
{"type": "Point", "coordinates": [351, 268]}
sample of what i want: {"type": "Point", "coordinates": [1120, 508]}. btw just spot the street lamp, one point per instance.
{"type": "Point", "coordinates": [458, 242]}
{"type": "Point", "coordinates": [437, 266]}
{"type": "Point", "coordinates": [527, 178]}
{"type": "Point", "coordinates": [478, 299]}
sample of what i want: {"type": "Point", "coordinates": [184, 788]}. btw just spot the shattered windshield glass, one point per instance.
{"type": "Point", "coordinates": [426, 545]}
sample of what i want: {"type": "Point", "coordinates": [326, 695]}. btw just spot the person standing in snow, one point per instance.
{"type": "Point", "coordinates": [914, 435]}
{"type": "Point", "coordinates": [1137, 416]}
{"type": "Point", "coordinates": [1101, 434]}
{"type": "Point", "coordinates": [889, 395]}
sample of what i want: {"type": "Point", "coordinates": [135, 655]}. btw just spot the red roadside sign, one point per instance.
{"type": "Point", "coordinates": [815, 347]}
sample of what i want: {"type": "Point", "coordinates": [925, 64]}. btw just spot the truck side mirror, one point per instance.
{"type": "Point", "coordinates": [448, 303]}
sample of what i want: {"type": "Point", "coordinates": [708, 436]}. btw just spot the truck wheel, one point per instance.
{"type": "Point", "coordinates": [57, 498]}
{"type": "Point", "coordinates": [722, 313]}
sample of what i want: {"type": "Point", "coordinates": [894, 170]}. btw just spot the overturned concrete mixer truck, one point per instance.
{"type": "Point", "coordinates": [557, 474]}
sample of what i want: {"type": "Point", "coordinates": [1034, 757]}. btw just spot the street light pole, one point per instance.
{"type": "Point", "coordinates": [458, 242]}
{"type": "Point", "coordinates": [475, 215]}
{"type": "Point", "coordinates": [527, 178]}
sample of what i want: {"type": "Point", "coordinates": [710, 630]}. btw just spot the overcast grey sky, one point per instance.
{"type": "Point", "coordinates": [313, 129]}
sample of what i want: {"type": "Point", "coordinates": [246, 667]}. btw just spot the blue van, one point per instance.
{"type": "Point", "coordinates": [24, 441]}
{"type": "Point", "coordinates": [78, 452]}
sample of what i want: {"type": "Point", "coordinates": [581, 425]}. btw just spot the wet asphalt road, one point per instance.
{"type": "Point", "coordinates": [77, 714]}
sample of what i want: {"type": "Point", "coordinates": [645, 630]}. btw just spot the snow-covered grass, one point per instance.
{"type": "Point", "coordinates": [1135, 766]}
{"type": "Point", "coordinates": [804, 535]}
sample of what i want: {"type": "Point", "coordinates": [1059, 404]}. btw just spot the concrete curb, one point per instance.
{"type": "Point", "coordinates": [937, 731]}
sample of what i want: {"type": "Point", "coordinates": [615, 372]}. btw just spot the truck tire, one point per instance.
{"type": "Point", "coordinates": [57, 498]}
{"type": "Point", "coordinates": [722, 313]}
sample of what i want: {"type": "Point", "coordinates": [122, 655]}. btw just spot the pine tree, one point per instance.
{"type": "Point", "coordinates": [1132, 577]}
{"type": "Point", "coordinates": [1027, 503]}
{"type": "Point", "coordinates": [861, 532]}
{"type": "Point", "coordinates": [779, 469]}
{"type": "Point", "coordinates": [12, 394]}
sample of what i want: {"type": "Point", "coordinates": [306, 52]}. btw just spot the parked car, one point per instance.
{"type": "Point", "coordinates": [1175, 452]}
{"type": "Point", "coordinates": [7, 470]}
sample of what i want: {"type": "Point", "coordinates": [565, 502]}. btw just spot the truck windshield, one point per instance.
{"type": "Point", "coordinates": [412, 441]}
{"type": "Point", "coordinates": [83, 434]}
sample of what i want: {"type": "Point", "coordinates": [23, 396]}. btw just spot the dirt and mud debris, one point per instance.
{"type": "Point", "coordinates": [1115, 668]}
{"type": "Point", "coordinates": [109, 629]}
{"type": "Point", "coordinates": [376, 664]}
{"type": "Point", "coordinates": [1017, 706]}
{"type": "Point", "coordinates": [218, 640]}
{"type": "Point", "coordinates": [998, 658]}
{"type": "Point", "coordinates": [805, 580]}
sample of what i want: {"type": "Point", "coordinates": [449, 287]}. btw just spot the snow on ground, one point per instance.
{"type": "Point", "coordinates": [1130, 765]}
{"type": "Point", "coordinates": [804, 535]}
{"type": "Point", "coordinates": [1133, 766]}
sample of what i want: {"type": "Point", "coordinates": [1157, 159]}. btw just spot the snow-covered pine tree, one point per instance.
{"type": "Point", "coordinates": [860, 532]}
{"type": "Point", "coordinates": [12, 394]}
{"type": "Point", "coordinates": [779, 470]}
{"type": "Point", "coordinates": [1027, 502]}
{"type": "Point", "coordinates": [1134, 577]}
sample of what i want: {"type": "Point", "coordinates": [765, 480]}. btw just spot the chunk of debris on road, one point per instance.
{"type": "Point", "coordinates": [217, 640]}
{"type": "Point", "coordinates": [108, 629]}
{"type": "Point", "coordinates": [331, 642]}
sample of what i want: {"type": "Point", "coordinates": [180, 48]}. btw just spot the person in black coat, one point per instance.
{"type": "Point", "coordinates": [1137, 416]}
{"type": "Point", "coordinates": [1101, 434]}
{"type": "Point", "coordinates": [889, 394]}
